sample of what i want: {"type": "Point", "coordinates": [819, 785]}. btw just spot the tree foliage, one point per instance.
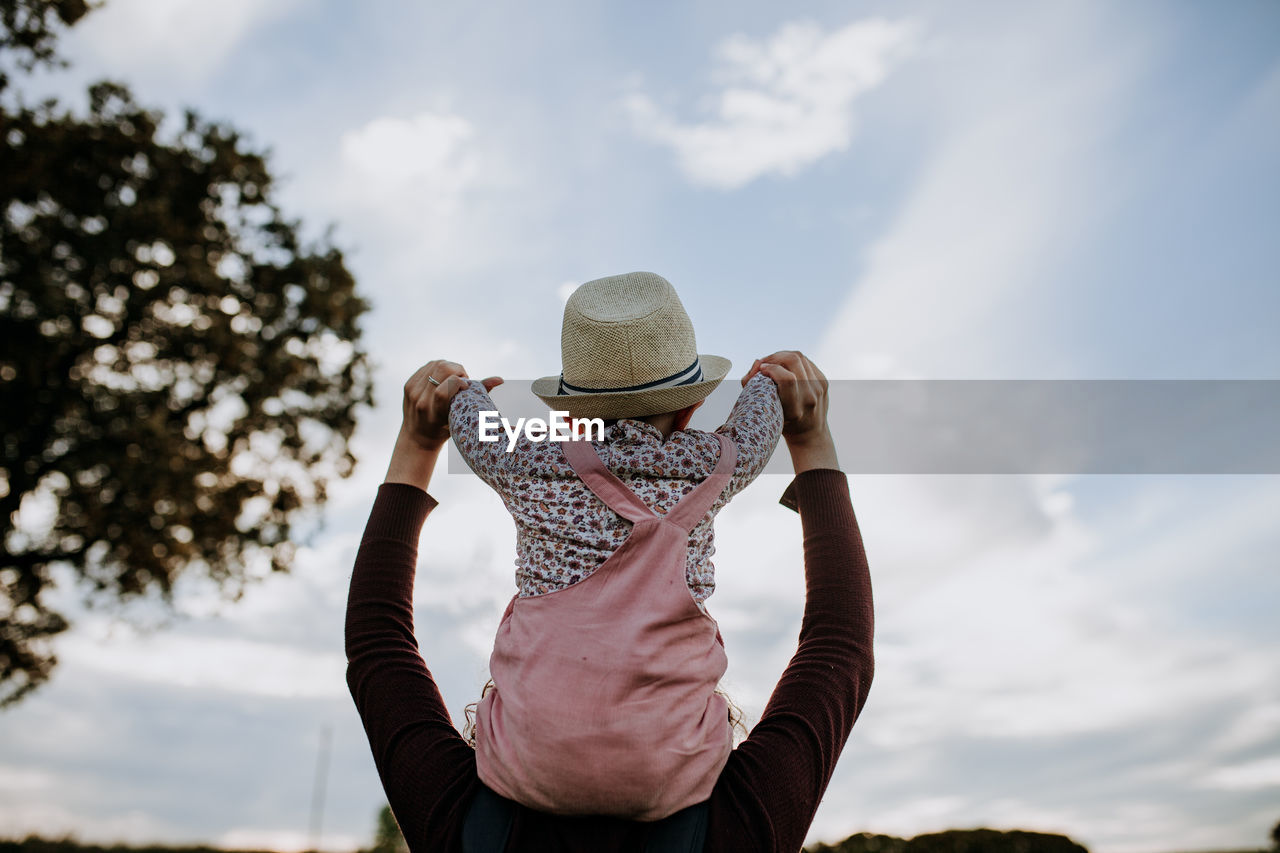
{"type": "Point", "coordinates": [387, 837]}
{"type": "Point", "coordinates": [28, 29]}
{"type": "Point", "coordinates": [179, 374]}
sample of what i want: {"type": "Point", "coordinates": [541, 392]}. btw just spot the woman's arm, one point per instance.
{"type": "Point", "coordinates": [770, 789]}
{"type": "Point", "coordinates": [427, 769]}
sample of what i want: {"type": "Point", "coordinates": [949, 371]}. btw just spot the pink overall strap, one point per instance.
{"type": "Point", "coordinates": [586, 464]}
{"type": "Point", "coordinates": [693, 507]}
{"type": "Point", "coordinates": [605, 484]}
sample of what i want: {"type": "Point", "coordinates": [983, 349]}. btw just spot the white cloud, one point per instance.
{"type": "Point", "coordinates": [410, 173]}
{"type": "Point", "coordinates": [783, 103]}
{"type": "Point", "coordinates": [966, 241]}
{"type": "Point", "coordinates": [187, 39]}
{"type": "Point", "coordinates": [408, 190]}
{"type": "Point", "coordinates": [1003, 615]}
{"type": "Point", "coordinates": [1014, 616]}
{"type": "Point", "coordinates": [1264, 773]}
{"type": "Point", "coordinates": [566, 289]}
{"type": "Point", "coordinates": [226, 664]}
{"type": "Point", "coordinates": [26, 811]}
{"type": "Point", "coordinates": [1024, 642]}
{"type": "Point", "coordinates": [924, 814]}
{"type": "Point", "coordinates": [1250, 729]}
{"type": "Point", "coordinates": [429, 147]}
{"type": "Point", "coordinates": [13, 779]}
{"type": "Point", "coordinates": [283, 840]}
{"type": "Point", "coordinates": [946, 291]}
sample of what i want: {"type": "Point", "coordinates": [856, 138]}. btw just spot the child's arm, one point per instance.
{"type": "Point", "coordinates": [755, 425]}
{"type": "Point", "coordinates": [488, 459]}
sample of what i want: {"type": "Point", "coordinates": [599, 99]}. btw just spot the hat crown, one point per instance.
{"type": "Point", "coordinates": [625, 330]}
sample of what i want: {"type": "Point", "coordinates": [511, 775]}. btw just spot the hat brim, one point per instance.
{"type": "Point", "coordinates": [633, 404]}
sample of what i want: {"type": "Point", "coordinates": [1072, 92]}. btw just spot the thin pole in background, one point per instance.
{"type": "Point", "coordinates": [322, 776]}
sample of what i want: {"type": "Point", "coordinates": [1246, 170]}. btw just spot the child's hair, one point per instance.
{"type": "Point", "coordinates": [469, 726]}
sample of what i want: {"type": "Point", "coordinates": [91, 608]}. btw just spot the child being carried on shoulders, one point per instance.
{"type": "Point", "coordinates": [606, 661]}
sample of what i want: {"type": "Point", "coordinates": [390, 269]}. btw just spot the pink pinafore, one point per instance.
{"type": "Point", "coordinates": [604, 699]}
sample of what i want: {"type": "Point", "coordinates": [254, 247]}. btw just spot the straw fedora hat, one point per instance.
{"type": "Point", "coordinates": [627, 350]}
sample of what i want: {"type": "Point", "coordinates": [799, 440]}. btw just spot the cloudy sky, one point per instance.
{"type": "Point", "coordinates": [913, 189]}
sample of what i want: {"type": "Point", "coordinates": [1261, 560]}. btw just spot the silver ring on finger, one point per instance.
{"type": "Point", "coordinates": [433, 380]}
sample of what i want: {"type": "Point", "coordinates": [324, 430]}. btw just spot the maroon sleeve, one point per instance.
{"type": "Point", "coordinates": [426, 768]}
{"type": "Point", "coordinates": [769, 791]}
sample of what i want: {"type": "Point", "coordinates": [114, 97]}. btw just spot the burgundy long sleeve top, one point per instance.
{"type": "Point", "coordinates": [768, 792]}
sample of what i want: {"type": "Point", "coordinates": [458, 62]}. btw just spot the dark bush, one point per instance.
{"type": "Point", "coordinates": [863, 842]}
{"type": "Point", "coordinates": [992, 841]}
{"type": "Point", "coordinates": [954, 841]}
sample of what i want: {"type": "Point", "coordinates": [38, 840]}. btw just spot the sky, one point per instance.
{"type": "Point", "coordinates": [924, 190]}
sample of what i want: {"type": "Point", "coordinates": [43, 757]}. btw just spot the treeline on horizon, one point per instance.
{"type": "Point", "coordinates": [955, 841]}
{"type": "Point", "coordinates": [950, 841]}
{"type": "Point", "coordinates": [975, 841]}
{"type": "Point", "coordinates": [68, 844]}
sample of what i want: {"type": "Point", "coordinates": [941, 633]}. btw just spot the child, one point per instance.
{"type": "Point", "coordinates": [606, 661]}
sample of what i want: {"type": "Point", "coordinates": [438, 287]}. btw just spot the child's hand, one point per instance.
{"type": "Point", "coordinates": [427, 395]}
{"type": "Point", "coordinates": [802, 390]}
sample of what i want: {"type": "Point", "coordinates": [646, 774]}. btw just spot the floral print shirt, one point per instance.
{"type": "Point", "coordinates": [563, 531]}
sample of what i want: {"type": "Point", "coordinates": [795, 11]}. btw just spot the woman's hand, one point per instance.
{"type": "Point", "coordinates": [426, 403]}
{"type": "Point", "coordinates": [425, 426]}
{"type": "Point", "coordinates": [802, 391]}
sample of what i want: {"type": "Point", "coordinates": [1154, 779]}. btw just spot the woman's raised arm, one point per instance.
{"type": "Point", "coordinates": [770, 789]}
{"type": "Point", "coordinates": [426, 768]}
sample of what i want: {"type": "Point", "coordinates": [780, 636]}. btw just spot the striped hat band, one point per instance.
{"type": "Point", "coordinates": [688, 376]}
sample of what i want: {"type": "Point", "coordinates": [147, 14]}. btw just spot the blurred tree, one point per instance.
{"type": "Point", "coordinates": [1275, 837]}
{"type": "Point", "coordinates": [387, 837]}
{"type": "Point", "coordinates": [179, 375]}
{"type": "Point", "coordinates": [28, 29]}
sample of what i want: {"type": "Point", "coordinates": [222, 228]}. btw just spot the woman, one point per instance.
{"type": "Point", "coordinates": [767, 794]}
